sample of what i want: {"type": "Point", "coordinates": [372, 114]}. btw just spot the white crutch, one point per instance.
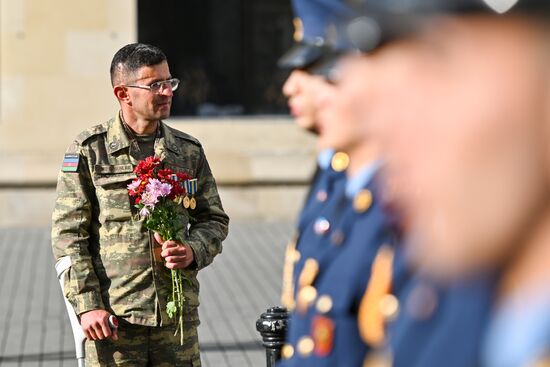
{"type": "Point", "coordinates": [61, 267]}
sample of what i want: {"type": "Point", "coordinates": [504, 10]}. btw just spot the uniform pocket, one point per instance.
{"type": "Point", "coordinates": [111, 183]}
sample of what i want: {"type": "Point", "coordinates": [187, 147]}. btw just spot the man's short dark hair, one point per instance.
{"type": "Point", "coordinates": [132, 57]}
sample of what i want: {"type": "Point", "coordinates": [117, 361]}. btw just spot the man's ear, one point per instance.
{"type": "Point", "coordinates": [121, 93]}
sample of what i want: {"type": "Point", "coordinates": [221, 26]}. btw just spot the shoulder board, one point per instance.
{"type": "Point", "coordinates": [183, 135]}
{"type": "Point", "coordinates": [88, 133]}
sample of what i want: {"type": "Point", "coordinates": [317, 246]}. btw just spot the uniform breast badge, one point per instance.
{"type": "Point", "coordinates": [362, 201]}
{"type": "Point", "coordinates": [292, 255]}
{"type": "Point", "coordinates": [189, 200]}
{"type": "Point", "coordinates": [378, 305]}
{"type": "Point", "coordinates": [307, 294]}
{"type": "Point", "coordinates": [322, 331]}
{"type": "Point", "coordinates": [340, 162]}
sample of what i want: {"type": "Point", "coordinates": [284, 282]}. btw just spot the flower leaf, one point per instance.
{"type": "Point", "coordinates": [171, 309]}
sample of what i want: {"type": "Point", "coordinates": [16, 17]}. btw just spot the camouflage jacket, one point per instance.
{"type": "Point", "coordinates": [115, 262]}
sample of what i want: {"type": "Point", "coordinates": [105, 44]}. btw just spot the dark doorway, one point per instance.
{"type": "Point", "coordinates": [224, 51]}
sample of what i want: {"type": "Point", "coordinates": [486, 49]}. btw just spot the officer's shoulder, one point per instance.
{"type": "Point", "coordinates": [181, 135]}
{"type": "Point", "coordinates": [87, 134]}
{"type": "Point", "coordinates": [85, 137]}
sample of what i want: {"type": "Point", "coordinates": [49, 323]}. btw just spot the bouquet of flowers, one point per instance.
{"type": "Point", "coordinates": [158, 193]}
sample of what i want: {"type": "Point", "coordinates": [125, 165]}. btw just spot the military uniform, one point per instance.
{"type": "Point", "coordinates": [334, 292]}
{"type": "Point", "coordinates": [441, 325]}
{"type": "Point", "coordinates": [115, 262]}
{"type": "Point", "coordinates": [449, 324]}
{"type": "Point", "coordinates": [324, 192]}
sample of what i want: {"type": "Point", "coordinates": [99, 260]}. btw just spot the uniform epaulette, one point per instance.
{"type": "Point", "coordinates": [183, 135]}
{"type": "Point", "coordinates": [88, 133]}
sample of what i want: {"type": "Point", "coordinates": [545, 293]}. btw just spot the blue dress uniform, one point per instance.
{"type": "Point", "coordinates": [330, 175]}
{"type": "Point", "coordinates": [327, 183]}
{"type": "Point", "coordinates": [441, 325]}
{"type": "Point", "coordinates": [333, 288]}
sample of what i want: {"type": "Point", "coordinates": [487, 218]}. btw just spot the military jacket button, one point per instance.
{"type": "Point", "coordinates": [305, 346]}
{"type": "Point", "coordinates": [389, 307]}
{"type": "Point", "coordinates": [422, 302]}
{"type": "Point", "coordinates": [338, 238]}
{"type": "Point", "coordinates": [287, 351]}
{"type": "Point", "coordinates": [322, 196]}
{"type": "Point", "coordinates": [321, 226]}
{"type": "Point", "coordinates": [324, 304]}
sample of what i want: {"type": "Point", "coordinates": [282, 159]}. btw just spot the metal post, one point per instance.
{"type": "Point", "coordinates": [272, 325]}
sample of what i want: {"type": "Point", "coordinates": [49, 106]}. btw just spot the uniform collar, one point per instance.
{"type": "Point", "coordinates": [168, 139]}
{"type": "Point", "coordinates": [356, 183]}
{"type": "Point", "coordinates": [324, 158]}
{"type": "Point", "coordinates": [118, 139]}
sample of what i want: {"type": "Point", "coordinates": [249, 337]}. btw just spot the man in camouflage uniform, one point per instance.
{"type": "Point", "coordinates": [117, 266]}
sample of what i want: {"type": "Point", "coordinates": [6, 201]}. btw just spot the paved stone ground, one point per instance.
{"type": "Point", "coordinates": [241, 284]}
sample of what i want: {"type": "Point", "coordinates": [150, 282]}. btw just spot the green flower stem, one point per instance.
{"type": "Point", "coordinates": [163, 221]}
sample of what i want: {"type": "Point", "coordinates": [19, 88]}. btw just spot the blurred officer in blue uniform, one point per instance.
{"type": "Point", "coordinates": [458, 101]}
{"type": "Point", "coordinates": [436, 324]}
{"type": "Point", "coordinates": [332, 286]}
{"type": "Point", "coordinates": [301, 89]}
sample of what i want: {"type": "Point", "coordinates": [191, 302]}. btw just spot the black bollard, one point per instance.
{"type": "Point", "coordinates": [272, 326]}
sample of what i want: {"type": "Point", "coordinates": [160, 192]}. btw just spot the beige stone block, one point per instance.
{"type": "Point", "coordinates": [26, 207]}
{"type": "Point", "coordinates": [122, 18]}
{"type": "Point", "coordinates": [12, 97]}
{"type": "Point", "coordinates": [32, 53]}
{"type": "Point", "coordinates": [12, 16]}
{"type": "Point", "coordinates": [60, 15]}
{"type": "Point", "coordinates": [265, 202]}
{"type": "Point", "coordinates": [254, 149]}
{"type": "Point", "coordinates": [52, 121]}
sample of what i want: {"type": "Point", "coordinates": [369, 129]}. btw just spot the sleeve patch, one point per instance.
{"type": "Point", "coordinates": [70, 163]}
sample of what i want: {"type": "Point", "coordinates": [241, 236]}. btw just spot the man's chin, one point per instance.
{"type": "Point", "coordinates": [164, 114]}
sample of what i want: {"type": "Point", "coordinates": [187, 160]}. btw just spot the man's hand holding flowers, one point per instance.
{"type": "Point", "coordinates": [175, 254]}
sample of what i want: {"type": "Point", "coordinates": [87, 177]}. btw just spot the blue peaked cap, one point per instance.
{"type": "Point", "coordinates": [317, 25]}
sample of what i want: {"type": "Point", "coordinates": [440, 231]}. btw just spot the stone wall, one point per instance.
{"type": "Point", "coordinates": [54, 82]}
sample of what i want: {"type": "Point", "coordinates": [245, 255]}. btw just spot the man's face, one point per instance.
{"type": "Point", "coordinates": [459, 112]}
{"type": "Point", "coordinates": [145, 104]}
{"type": "Point", "coordinates": [301, 89]}
{"type": "Point", "coordinates": [337, 126]}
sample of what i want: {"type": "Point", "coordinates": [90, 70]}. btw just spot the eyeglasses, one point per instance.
{"type": "Point", "coordinates": [159, 86]}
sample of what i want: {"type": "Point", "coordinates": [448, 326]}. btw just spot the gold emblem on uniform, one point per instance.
{"type": "Point", "coordinates": [340, 162]}
{"type": "Point", "coordinates": [186, 202]}
{"type": "Point", "coordinates": [324, 304]}
{"type": "Point", "coordinates": [362, 201]}
{"type": "Point", "coordinates": [287, 351]}
{"type": "Point", "coordinates": [298, 29]}
{"type": "Point", "coordinates": [306, 296]}
{"type": "Point", "coordinates": [371, 319]}
{"type": "Point", "coordinates": [305, 346]}
{"type": "Point", "coordinates": [309, 272]}
{"type": "Point", "coordinates": [291, 257]}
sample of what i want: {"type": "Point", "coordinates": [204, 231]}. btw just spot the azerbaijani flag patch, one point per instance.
{"type": "Point", "coordinates": [70, 163]}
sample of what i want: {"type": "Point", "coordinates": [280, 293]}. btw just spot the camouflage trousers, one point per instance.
{"type": "Point", "coordinates": [146, 346]}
